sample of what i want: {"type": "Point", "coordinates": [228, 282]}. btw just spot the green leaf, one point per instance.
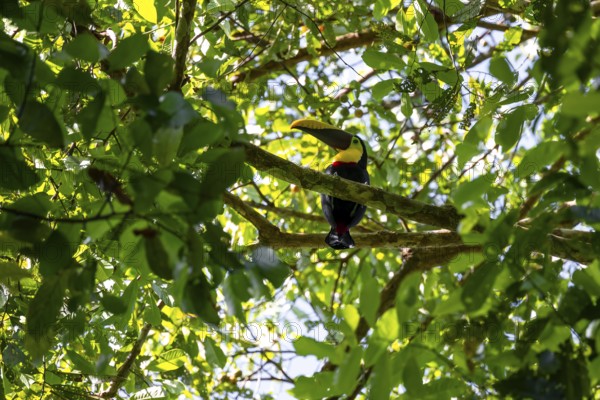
{"type": "Point", "coordinates": [316, 387]}
{"type": "Point", "coordinates": [369, 298]}
{"type": "Point", "coordinates": [387, 327]}
{"type": "Point", "coordinates": [407, 297]}
{"type": "Point", "coordinates": [381, 379]}
{"type": "Point", "coordinates": [198, 298]}
{"type": "Point", "coordinates": [152, 314]}
{"type": "Point", "coordinates": [413, 378]}
{"type": "Point", "coordinates": [200, 134]}
{"type": "Point", "coordinates": [146, 9]}
{"type": "Point", "coordinates": [306, 346]}
{"type": "Point", "coordinates": [178, 109]}
{"type": "Point", "coordinates": [235, 290]}
{"type": "Point", "coordinates": [81, 363]}
{"type": "Point", "coordinates": [157, 257]}
{"type": "Point", "coordinates": [480, 131]}
{"type": "Point", "coordinates": [345, 377]}
{"type": "Point", "coordinates": [88, 117]}
{"type": "Point", "coordinates": [426, 22]}
{"type": "Point", "coordinates": [510, 128]}
{"type": "Point", "coordinates": [158, 70]}
{"type": "Point", "coordinates": [222, 172]}
{"type": "Point", "coordinates": [43, 313]}
{"type": "Point", "coordinates": [86, 47]}
{"type": "Point", "coordinates": [128, 51]}
{"type": "Point", "coordinates": [500, 69]}
{"type": "Point", "coordinates": [383, 61]}
{"type": "Point", "coordinates": [382, 88]}
{"type": "Point", "coordinates": [577, 104]}
{"type": "Point", "coordinates": [478, 286]}
{"type": "Point", "coordinates": [147, 186]}
{"type": "Point", "coordinates": [450, 7]}
{"type": "Point", "coordinates": [350, 317]}
{"type": "Point", "coordinates": [11, 271]}
{"type": "Point", "coordinates": [170, 360]}
{"type": "Point", "coordinates": [383, 7]}
{"type": "Point", "coordinates": [450, 305]}
{"type": "Point", "coordinates": [406, 107]}
{"type": "Point", "coordinates": [11, 9]}
{"type": "Point", "coordinates": [16, 174]}
{"type": "Point", "coordinates": [56, 252]}
{"type": "Point", "coordinates": [165, 144]}
{"type": "Point", "coordinates": [270, 266]}
{"type": "Point", "coordinates": [39, 122]}
{"type": "Point", "coordinates": [78, 81]}
{"type": "Point", "coordinates": [214, 354]}
{"type": "Point", "coordinates": [538, 157]}
{"type": "Point", "coordinates": [4, 111]}
{"type": "Point", "coordinates": [113, 304]}
{"type": "Point", "coordinates": [130, 299]}
{"type": "Point", "coordinates": [472, 191]}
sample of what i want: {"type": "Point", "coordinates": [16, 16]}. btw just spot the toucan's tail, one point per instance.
{"type": "Point", "coordinates": [339, 241]}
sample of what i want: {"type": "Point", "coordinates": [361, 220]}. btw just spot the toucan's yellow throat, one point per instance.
{"type": "Point", "coordinates": [352, 154]}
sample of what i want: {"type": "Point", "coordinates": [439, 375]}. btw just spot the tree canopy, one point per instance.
{"type": "Point", "coordinates": [160, 228]}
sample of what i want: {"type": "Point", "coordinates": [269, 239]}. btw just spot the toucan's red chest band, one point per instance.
{"type": "Point", "coordinates": [341, 163]}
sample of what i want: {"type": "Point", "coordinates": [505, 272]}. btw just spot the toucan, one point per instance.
{"type": "Point", "coordinates": [349, 163]}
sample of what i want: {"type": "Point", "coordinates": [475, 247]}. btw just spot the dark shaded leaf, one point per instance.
{"type": "Point", "coordinates": [43, 313]}
{"type": "Point", "coordinates": [39, 122]}
{"type": "Point", "coordinates": [157, 257]}
{"type": "Point", "coordinates": [478, 286]}
{"type": "Point", "coordinates": [128, 51]}
{"type": "Point", "coordinates": [113, 304]}
{"type": "Point", "coordinates": [158, 71]}
{"type": "Point", "coordinates": [86, 47]}
{"type": "Point", "coordinates": [88, 118]}
{"type": "Point", "coordinates": [16, 174]}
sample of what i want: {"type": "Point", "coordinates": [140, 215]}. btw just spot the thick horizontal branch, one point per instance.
{"type": "Point", "coordinates": [444, 217]}
{"type": "Point", "coordinates": [365, 226]}
{"type": "Point", "coordinates": [342, 43]}
{"type": "Point", "coordinates": [381, 239]}
{"type": "Point", "coordinates": [567, 244]}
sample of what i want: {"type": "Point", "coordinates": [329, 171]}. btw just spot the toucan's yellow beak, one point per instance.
{"type": "Point", "coordinates": [329, 134]}
{"type": "Point", "coordinates": [311, 124]}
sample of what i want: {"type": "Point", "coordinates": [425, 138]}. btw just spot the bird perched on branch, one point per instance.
{"type": "Point", "coordinates": [350, 163]}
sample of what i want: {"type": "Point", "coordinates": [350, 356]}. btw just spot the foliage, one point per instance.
{"type": "Point", "coordinates": [130, 218]}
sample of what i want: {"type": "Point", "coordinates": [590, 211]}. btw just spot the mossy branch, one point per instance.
{"type": "Point", "coordinates": [443, 217]}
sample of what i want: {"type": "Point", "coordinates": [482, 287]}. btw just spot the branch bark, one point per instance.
{"type": "Point", "coordinates": [342, 43]}
{"type": "Point", "coordinates": [119, 379]}
{"type": "Point", "coordinates": [443, 217]}
{"type": "Point", "coordinates": [563, 243]}
{"type": "Point", "coordinates": [182, 42]}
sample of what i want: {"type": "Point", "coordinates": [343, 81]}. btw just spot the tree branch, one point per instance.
{"type": "Point", "coordinates": [342, 43]}
{"type": "Point", "coordinates": [182, 42]}
{"type": "Point", "coordinates": [572, 245]}
{"type": "Point", "coordinates": [444, 217]}
{"type": "Point", "coordinates": [119, 379]}
{"type": "Point", "coordinates": [367, 226]}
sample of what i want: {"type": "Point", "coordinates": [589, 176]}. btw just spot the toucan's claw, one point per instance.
{"type": "Point", "coordinates": [339, 242]}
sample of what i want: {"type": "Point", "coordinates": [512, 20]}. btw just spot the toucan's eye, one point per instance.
{"type": "Point", "coordinates": [355, 141]}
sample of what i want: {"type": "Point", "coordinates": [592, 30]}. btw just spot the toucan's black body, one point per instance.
{"type": "Point", "coordinates": [342, 214]}
{"type": "Point", "coordinates": [351, 164]}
